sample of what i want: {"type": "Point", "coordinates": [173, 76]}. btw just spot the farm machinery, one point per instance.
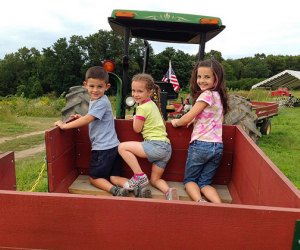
{"type": "Point", "coordinates": [176, 28]}
{"type": "Point", "coordinates": [260, 209]}
{"type": "Point", "coordinates": [285, 98]}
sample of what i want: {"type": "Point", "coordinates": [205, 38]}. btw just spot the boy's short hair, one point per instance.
{"type": "Point", "coordinates": [97, 72]}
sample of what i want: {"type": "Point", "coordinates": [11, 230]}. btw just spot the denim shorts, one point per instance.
{"type": "Point", "coordinates": [158, 152]}
{"type": "Point", "coordinates": [105, 163]}
{"type": "Point", "coordinates": [202, 162]}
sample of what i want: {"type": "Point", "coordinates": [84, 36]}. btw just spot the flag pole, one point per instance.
{"type": "Point", "coordinates": [170, 68]}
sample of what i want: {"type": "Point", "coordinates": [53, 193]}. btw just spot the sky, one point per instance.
{"type": "Point", "coordinates": [256, 26]}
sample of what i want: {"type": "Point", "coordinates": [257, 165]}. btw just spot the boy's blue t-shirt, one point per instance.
{"type": "Point", "coordinates": [102, 130]}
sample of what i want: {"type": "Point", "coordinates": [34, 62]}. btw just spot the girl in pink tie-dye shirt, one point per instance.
{"type": "Point", "coordinates": [206, 146]}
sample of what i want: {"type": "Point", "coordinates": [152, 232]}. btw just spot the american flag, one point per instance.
{"type": "Point", "coordinates": [171, 77]}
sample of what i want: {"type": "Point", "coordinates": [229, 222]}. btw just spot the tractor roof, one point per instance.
{"type": "Point", "coordinates": [165, 26]}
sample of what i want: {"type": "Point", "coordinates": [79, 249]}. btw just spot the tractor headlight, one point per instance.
{"type": "Point", "coordinates": [129, 101]}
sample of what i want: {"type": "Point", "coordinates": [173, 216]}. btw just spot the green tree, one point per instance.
{"type": "Point", "coordinates": [62, 64]}
{"type": "Point", "coordinates": [214, 54]}
{"type": "Point", "coordinates": [101, 46]}
{"type": "Point", "coordinates": [16, 68]}
{"type": "Point", "coordinates": [182, 63]}
{"type": "Point", "coordinates": [276, 64]}
{"type": "Point", "coordinates": [255, 68]}
{"type": "Point", "coordinates": [229, 71]}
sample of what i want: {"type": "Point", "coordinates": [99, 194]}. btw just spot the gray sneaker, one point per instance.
{"type": "Point", "coordinates": [143, 192]}
{"type": "Point", "coordinates": [118, 191]}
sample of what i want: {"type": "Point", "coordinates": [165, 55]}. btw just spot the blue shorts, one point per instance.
{"type": "Point", "coordinates": [202, 162]}
{"type": "Point", "coordinates": [105, 163]}
{"type": "Point", "coordinates": [158, 152]}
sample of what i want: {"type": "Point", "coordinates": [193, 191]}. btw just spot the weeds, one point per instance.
{"type": "Point", "coordinates": [27, 172]}
{"type": "Point", "coordinates": [45, 106]}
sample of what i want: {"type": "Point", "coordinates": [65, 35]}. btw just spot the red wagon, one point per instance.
{"type": "Point", "coordinates": [261, 207]}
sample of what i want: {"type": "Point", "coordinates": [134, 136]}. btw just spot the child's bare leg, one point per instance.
{"type": "Point", "coordinates": [107, 186]}
{"type": "Point", "coordinates": [211, 194]}
{"type": "Point", "coordinates": [129, 152]}
{"type": "Point", "coordinates": [101, 183]}
{"type": "Point", "coordinates": [119, 181]}
{"type": "Point", "coordinates": [156, 180]}
{"type": "Point", "coordinates": [193, 190]}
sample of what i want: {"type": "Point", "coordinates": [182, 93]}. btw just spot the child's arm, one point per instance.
{"type": "Point", "coordinates": [81, 121]}
{"type": "Point", "coordinates": [138, 124]}
{"type": "Point", "coordinates": [75, 116]}
{"type": "Point", "coordinates": [189, 117]}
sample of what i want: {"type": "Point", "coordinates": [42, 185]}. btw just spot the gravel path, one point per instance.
{"type": "Point", "coordinates": [26, 152]}
{"type": "Point", "coordinates": [30, 151]}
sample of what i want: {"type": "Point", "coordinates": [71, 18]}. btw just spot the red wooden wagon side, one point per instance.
{"type": "Point", "coordinates": [262, 215]}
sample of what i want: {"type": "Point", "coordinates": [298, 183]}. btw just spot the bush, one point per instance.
{"type": "Point", "coordinates": [45, 106]}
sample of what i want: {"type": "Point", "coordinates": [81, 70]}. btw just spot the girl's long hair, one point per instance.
{"type": "Point", "coordinates": [218, 71]}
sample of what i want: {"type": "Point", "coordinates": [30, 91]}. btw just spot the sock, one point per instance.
{"type": "Point", "coordinates": [139, 174]}
{"type": "Point", "coordinates": [113, 190]}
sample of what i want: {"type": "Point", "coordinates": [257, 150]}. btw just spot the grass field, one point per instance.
{"type": "Point", "coordinates": [282, 146]}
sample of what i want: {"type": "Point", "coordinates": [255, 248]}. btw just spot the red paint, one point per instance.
{"type": "Point", "coordinates": [7, 171]}
{"type": "Point", "coordinates": [74, 153]}
{"type": "Point", "coordinates": [265, 203]}
{"type": "Point", "coordinates": [265, 109]}
{"type": "Point", "coordinates": [256, 180]}
{"type": "Point", "coordinates": [56, 221]}
{"type": "Point", "coordinates": [280, 92]}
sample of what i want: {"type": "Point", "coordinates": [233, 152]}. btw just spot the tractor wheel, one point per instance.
{"type": "Point", "coordinates": [240, 113]}
{"type": "Point", "coordinates": [77, 102]}
{"type": "Point", "coordinates": [265, 128]}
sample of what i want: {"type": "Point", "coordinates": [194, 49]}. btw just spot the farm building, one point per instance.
{"type": "Point", "coordinates": [286, 79]}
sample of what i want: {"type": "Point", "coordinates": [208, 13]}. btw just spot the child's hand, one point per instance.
{"type": "Point", "coordinates": [59, 124]}
{"type": "Point", "coordinates": [174, 123]}
{"type": "Point", "coordinates": [76, 116]}
{"type": "Point", "coordinates": [190, 123]}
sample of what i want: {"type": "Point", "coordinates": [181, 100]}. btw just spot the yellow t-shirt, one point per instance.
{"type": "Point", "coordinates": [154, 127]}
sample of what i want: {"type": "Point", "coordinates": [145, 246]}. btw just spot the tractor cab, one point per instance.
{"type": "Point", "coordinates": [162, 27]}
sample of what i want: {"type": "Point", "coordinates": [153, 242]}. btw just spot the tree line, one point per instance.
{"type": "Point", "coordinates": [32, 73]}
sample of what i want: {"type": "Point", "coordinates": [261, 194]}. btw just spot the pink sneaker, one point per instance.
{"type": "Point", "coordinates": [136, 181]}
{"type": "Point", "coordinates": [172, 194]}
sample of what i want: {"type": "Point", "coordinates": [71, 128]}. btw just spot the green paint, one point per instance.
{"type": "Point", "coordinates": [166, 16]}
{"type": "Point", "coordinates": [117, 80]}
{"type": "Point", "coordinates": [296, 241]}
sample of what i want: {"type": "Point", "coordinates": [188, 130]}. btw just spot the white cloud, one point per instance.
{"type": "Point", "coordinates": [251, 27]}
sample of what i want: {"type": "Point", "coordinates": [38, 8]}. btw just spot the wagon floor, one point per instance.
{"type": "Point", "coordinates": [82, 186]}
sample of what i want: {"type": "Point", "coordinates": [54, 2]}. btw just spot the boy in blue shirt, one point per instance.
{"type": "Point", "coordinates": [105, 166]}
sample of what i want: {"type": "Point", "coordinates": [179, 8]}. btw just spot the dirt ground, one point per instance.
{"type": "Point", "coordinates": [27, 152]}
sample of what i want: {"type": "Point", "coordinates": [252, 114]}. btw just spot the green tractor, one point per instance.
{"type": "Point", "coordinates": [149, 26]}
{"type": "Point", "coordinates": [163, 27]}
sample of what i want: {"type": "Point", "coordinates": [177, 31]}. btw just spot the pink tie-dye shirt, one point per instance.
{"type": "Point", "coordinates": [208, 124]}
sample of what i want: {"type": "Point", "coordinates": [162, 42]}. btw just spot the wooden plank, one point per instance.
{"type": "Point", "coordinates": [82, 186]}
{"type": "Point", "coordinates": [7, 171]}
{"type": "Point", "coordinates": [260, 182]}
{"type": "Point", "coordinates": [69, 221]}
{"type": "Point", "coordinates": [58, 142]}
{"type": "Point", "coordinates": [60, 150]}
